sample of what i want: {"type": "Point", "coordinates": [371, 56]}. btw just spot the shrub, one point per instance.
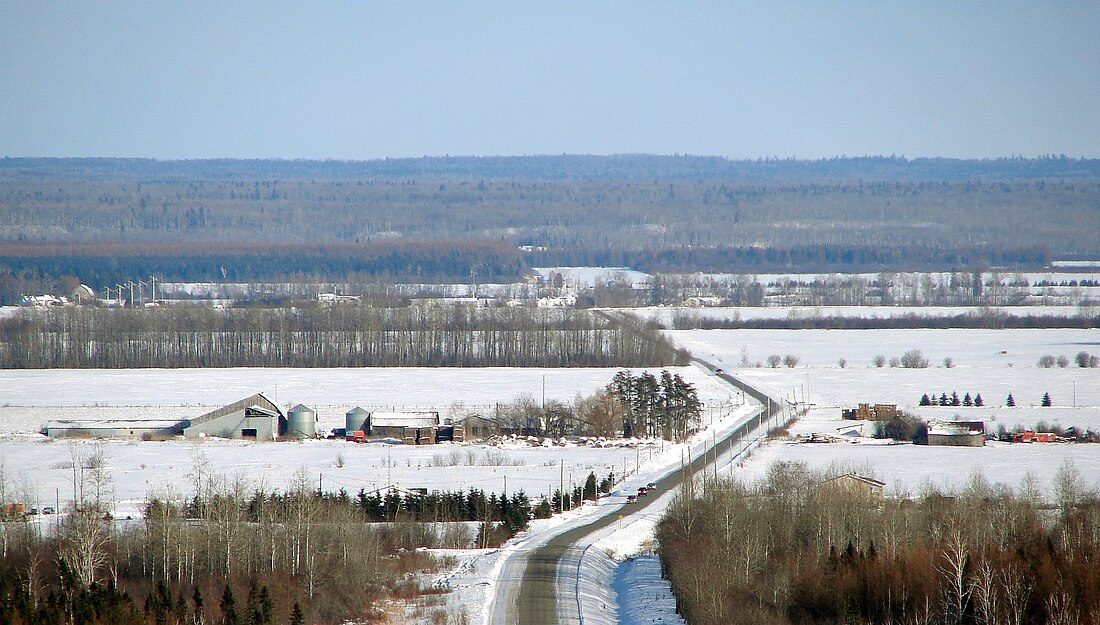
{"type": "Point", "coordinates": [914, 359]}
{"type": "Point", "coordinates": [1083, 360]}
{"type": "Point", "coordinates": [895, 361]}
{"type": "Point", "coordinates": [880, 361]}
{"type": "Point", "coordinates": [1046, 362]}
{"type": "Point", "coordinates": [843, 363]}
{"type": "Point", "coordinates": [774, 360]}
{"type": "Point", "coordinates": [790, 360]}
{"type": "Point", "coordinates": [1063, 362]}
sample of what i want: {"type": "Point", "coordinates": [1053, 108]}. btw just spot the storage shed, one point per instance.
{"type": "Point", "coordinates": [957, 433]}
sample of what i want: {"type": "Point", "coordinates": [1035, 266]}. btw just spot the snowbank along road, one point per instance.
{"type": "Point", "coordinates": [546, 590]}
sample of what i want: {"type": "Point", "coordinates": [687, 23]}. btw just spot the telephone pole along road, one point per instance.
{"type": "Point", "coordinates": [548, 595]}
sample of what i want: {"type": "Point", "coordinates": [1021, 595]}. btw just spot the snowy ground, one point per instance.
{"type": "Point", "coordinates": [991, 362]}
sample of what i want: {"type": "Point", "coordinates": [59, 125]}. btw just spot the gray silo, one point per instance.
{"type": "Point", "coordinates": [301, 422]}
{"type": "Point", "coordinates": [356, 419]}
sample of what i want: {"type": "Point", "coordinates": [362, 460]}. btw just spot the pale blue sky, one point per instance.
{"type": "Point", "coordinates": [361, 80]}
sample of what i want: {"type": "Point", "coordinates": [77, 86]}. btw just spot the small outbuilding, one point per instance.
{"type": "Point", "coordinates": [957, 433]}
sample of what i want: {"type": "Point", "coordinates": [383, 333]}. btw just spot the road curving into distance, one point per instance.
{"type": "Point", "coordinates": [537, 600]}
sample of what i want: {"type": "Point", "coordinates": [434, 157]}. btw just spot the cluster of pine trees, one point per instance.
{"type": "Point", "coordinates": [667, 407]}
{"type": "Point", "coordinates": [951, 400]}
{"type": "Point", "coordinates": [795, 548]}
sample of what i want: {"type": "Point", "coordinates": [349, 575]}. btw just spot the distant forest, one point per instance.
{"type": "Point", "coordinates": [115, 219]}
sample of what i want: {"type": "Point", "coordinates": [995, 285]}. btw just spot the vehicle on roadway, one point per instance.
{"type": "Point", "coordinates": [642, 491]}
{"type": "Point", "coordinates": [651, 486]}
{"type": "Point", "coordinates": [631, 498]}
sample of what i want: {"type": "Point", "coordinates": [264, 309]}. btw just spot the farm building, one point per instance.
{"type": "Point", "coordinates": [851, 484]}
{"type": "Point", "coordinates": [396, 424]}
{"type": "Point", "coordinates": [868, 412]}
{"type": "Point", "coordinates": [112, 428]}
{"type": "Point", "coordinates": [957, 433]}
{"type": "Point", "coordinates": [253, 417]}
{"type": "Point", "coordinates": [476, 426]}
{"type": "Point", "coordinates": [1034, 437]}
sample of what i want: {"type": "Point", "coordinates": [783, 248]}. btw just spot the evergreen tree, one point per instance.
{"type": "Point", "coordinates": [267, 606]}
{"type": "Point", "coordinates": [296, 615]}
{"type": "Point", "coordinates": [955, 398]}
{"type": "Point", "coordinates": [590, 492]}
{"type": "Point", "coordinates": [978, 401]}
{"type": "Point", "coordinates": [925, 400]}
{"type": "Point", "coordinates": [967, 400]}
{"type": "Point", "coordinates": [228, 604]}
{"type": "Point", "coordinates": [1047, 402]}
{"type": "Point", "coordinates": [196, 600]}
{"type": "Point", "coordinates": [943, 399]}
{"type": "Point", "coordinates": [1010, 402]}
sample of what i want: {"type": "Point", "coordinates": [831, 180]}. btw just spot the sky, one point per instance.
{"type": "Point", "coordinates": [365, 80]}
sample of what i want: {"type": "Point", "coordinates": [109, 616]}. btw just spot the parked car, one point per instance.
{"type": "Point", "coordinates": [48, 510]}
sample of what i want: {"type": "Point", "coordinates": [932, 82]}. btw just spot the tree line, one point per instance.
{"type": "Point", "coordinates": [796, 548]}
{"type": "Point", "coordinates": [654, 213]}
{"type": "Point", "coordinates": [340, 336]}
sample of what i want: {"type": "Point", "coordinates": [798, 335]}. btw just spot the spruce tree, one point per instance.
{"type": "Point", "coordinates": [1010, 402]}
{"type": "Point", "coordinates": [1047, 401]}
{"type": "Point", "coordinates": [296, 616]}
{"type": "Point", "coordinates": [925, 400]}
{"type": "Point", "coordinates": [228, 604]}
{"type": "Point", "coordinates": [967, 401]}
{"type": "Point", "coordinates": [978, 401]}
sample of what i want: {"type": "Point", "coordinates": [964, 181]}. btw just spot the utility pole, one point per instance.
{"type": "Point", "coordinates": [561, 483]}
{"type": "Point", "coordinates": [153, 280]}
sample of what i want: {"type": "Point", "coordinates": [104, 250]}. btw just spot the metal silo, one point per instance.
{"type": "Point", "coordinates": [301, 422]}
{"type": "Point", "coordinates": [356, 419]}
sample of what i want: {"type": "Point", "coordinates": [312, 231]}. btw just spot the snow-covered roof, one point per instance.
{"type": "Point", "coordinates": [404, 419]}
{"type": "Point", "coordinates": [955, 428]}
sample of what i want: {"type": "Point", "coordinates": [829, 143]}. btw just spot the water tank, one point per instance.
{"type": "Point", "coordinates": [301, 422]}
{"type": "Point", "coordinates": [356, 419]}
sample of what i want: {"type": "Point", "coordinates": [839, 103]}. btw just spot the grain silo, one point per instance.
{"type": "Point", "coordinates": [301, 422]}
{"type": "Point", "coordinates": [357, 419]}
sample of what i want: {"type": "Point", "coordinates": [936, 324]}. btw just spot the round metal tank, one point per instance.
{"type": "Point", "coordinates": [301, 422]}
{"type": "Point", "coordinates": [356, 419]}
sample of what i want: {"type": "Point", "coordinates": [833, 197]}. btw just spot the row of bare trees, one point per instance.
{"type": "Point", "coordinates": [341, 336]}
{"type": "Point", "coordinates": [796, 548]}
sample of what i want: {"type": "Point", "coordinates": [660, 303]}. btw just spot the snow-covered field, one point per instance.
{"type": "Point", "coordinates": [991, 362]}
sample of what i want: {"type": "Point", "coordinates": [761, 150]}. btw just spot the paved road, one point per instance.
{"type": "Point", "coordinates": [536, 602]}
